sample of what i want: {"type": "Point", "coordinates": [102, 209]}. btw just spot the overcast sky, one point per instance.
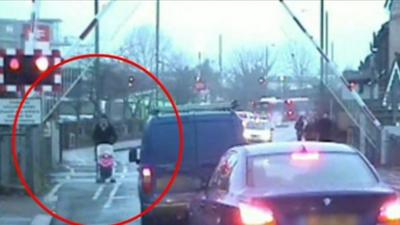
{"type": "Point", "coordinates": [195, 25]}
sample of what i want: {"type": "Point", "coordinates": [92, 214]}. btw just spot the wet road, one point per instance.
{"type": "Point", "coordinates": [77, 197]}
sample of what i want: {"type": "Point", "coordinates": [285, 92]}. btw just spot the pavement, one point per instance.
{"type": "Point", "coordinates": [79, 198]}
{"type": "Point", "coordinates": [76, 196]}
{"type": "Point", "coordinates": [20, 209]}
{"type": "Point", "coordinates": [85, 156]}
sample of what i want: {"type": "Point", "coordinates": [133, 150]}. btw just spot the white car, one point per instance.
{"type": "Point", "coordinates": [245, 116]}
{"type": "Point", "coordinates": [261, 131]}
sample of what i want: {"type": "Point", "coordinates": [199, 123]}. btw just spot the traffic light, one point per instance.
{"type": "Point", "coordinates": [41, 63]}
{"type": "Point", "coordinates": [14, 65]}
{"type": "Point", "coordinates": [20, 69]}
{"type": "Point", "coordinates": [131, 81]}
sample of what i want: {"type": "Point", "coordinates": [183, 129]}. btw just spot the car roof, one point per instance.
{"type": "Point", "coordinates": [289, 147]}
{"type": "Point", "coordinates": [170, 117]}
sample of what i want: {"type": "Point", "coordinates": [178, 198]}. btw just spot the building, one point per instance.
{"type": "Point", "coordinates": [15, 33]}
{"type": "Point", "coordinates": [372, 78]}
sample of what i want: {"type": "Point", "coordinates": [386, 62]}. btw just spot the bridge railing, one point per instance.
{"type": "Point", "coordinates": [354, 106]}
{"type": "Point", "coordinates": [337, 85]}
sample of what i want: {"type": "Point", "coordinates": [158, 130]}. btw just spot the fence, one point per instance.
{"type": "Point", "coordinates": [79, 134]}
{"type": "Point", "coordinates": [33, 156]}
{"type": "Point", "coordinates": [8, 175]}
{"type": "Point", "coordinates": [390, 155]}
{"type": "Point", "coordinates": [394, 150]}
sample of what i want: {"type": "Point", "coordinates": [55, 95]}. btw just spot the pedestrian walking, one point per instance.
{"type": "Point", "coordinates": [299, 127]}
{"type": "Point", "coordinates": [324, 128]}
{"type": "Point", "coordinates": [104, 133]}
{"type": "Point", "coordinates": [310, 133]}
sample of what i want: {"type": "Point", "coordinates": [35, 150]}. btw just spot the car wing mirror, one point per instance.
{"type": "Point", "coordinates": [134, 154]}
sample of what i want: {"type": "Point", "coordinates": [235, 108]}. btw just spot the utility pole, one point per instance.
{"type": "Point", "coordinates": [34, 17]}
{"type": "Point", "coordinates": [326, 45]}
{"type": "Point", "coordinates": [157, 46]}
{"type": "Point", "coordinates": [220, 54]}
{"type": "Point", "coordinates": [321, 82]}
{"type": "Point", "coordinates": [97, 76]}
{"type": "Point", "coordinates": [266, 60]}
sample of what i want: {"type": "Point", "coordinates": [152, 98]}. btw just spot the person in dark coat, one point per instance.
{"type": "Point", "coordinates": [104, 132]}
{"type": "Point", "coordinates": [324, 128]}
{"type": "Point", "coordinates": [299, 127]}
{"type": "Point", "coordinates": [310, 133]}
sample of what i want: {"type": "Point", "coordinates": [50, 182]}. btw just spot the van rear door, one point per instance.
{"type": "Point", "coordinates": [163, 152]}
{"type": "Point", "coordinates": [215, 137]}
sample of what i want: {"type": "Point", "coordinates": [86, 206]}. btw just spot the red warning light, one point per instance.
{"type": "Point", "coordinates": [14, 64]}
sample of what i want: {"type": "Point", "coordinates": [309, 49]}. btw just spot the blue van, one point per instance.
{"type": "Point", "coordinates": [208, 134]}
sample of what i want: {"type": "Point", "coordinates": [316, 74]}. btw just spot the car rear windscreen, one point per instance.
{"type": "Point", "coordinates": [164, 143]}
{"type": "Point", "coordinates": [205, 141]}
{"type": "Point", "coordinates": [338, 170]}
{"type": "Point", "coordinates": [257, 126]}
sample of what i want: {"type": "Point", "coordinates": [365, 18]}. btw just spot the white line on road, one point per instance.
{"type": "Point", "coordinates": [51, 197]}
{"type": "Point", "coordinates": [124, 171]}
{"type": "Point", "coordinates": [123, 197]}
{"type": "Point", "coordinates": [112, 195]}
{"type": "Point", "coordinates": [98, 192]}
{"type": "Point", "coordinates": [71, 170]}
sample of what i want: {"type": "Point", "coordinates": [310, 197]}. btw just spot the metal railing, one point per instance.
{"type": "Point", "coordinates": [354, 106]}
{"type": "Point", "coordinates": [340, 89]}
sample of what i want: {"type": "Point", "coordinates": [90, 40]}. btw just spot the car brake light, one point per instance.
{"type": "Point", "coordinates": [147, 181]}
{"type": "Point", "coordinates": [390, 213]}
{"type": "Point", "coordinates": [146, 172]}
{"type": "Point", "coordinates": [305, 156]}
{"type": "Point", "coordinates": [252, 215]}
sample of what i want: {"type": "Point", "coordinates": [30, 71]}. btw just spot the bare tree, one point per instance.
{"type": "Point", "coordinates": [250, 65]}
{"type": "Point", "coordinates": [140, 47]}
{"type": "Point", "coordinates": [300, 61]}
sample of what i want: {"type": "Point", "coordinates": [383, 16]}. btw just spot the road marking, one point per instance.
{"type": "Point", "coordinates": [10, 219]}
{"type": "Point", "coordinates": [98, 192]}
{"type": "Point", "coordinates": [112, 195]}
{"type": "Point", "coordinates": [124, 171]}
{"type": "Point", "coordinates": [124, 197]}
{"type": "Point", "coordinates": [52, 197]}
{"type": "Point", "coordinates": [71, 169]}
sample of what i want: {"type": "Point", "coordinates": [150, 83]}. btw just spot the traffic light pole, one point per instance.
{"type": "Point", "coordinates": [97, 76]}
{"type": "Point", "coordinates": [157, 46]}
{"type": "Point", "coordinates": [322, 63]}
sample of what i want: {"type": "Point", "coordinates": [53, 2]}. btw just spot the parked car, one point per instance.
{"type": "Point", "coordinates": [295, 183]}
{"type": "Point", "coordinates": [208, 135]}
